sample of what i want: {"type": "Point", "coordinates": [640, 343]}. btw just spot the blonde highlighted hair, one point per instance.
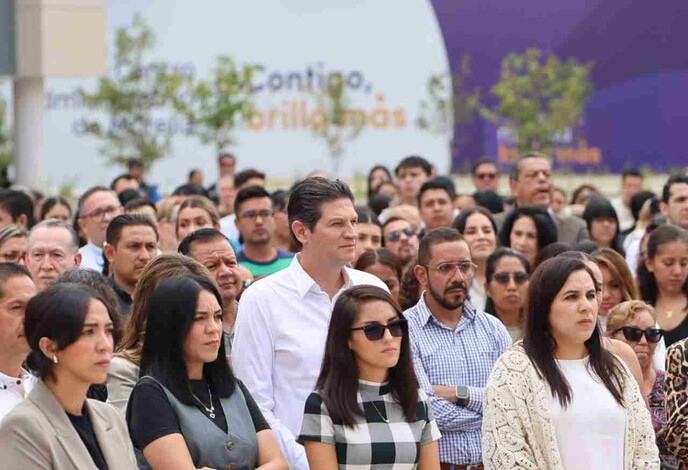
{"type": "Point", "coordinates": [625, 312]}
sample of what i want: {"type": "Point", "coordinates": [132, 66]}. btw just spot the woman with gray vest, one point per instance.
{"type": "Point", "coordinates": [187, 410]}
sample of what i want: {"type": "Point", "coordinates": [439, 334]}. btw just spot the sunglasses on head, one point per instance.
{"type": "Point", "coordinates": [375, 331]}
{"type": "Point", "coordinates": [633, 333]}
{"type": "Point", "coordinates": [519, 278]}
{"type": "Point", "coordinates": [395, 236]}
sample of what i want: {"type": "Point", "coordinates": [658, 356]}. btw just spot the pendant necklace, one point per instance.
{"type": "Point", "coordinates": [211, 410]}
{"type": "Point", "coordinates": [386, 420]}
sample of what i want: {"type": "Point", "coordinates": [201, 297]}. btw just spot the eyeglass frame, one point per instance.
{"type": "Point", "coordinates": [253, 214]}
{"type": "Point", "coordinates": [106, 210]}
{"type": "Point", "coordinates": [456, 267]}
{"type": "Point", "coordinates": [408, 231]}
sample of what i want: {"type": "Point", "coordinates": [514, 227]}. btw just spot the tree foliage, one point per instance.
{"type": "Point", "coordinates": [130, 98]}
{"type": "Point", "coordinates": [450, 102]}
{"type": "Point", "coordinates": [215, 107]}
{"type": "Point", "coordinates": [539, 97]}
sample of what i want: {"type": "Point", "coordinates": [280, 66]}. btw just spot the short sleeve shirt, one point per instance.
{"type": "Point", "coordinates": [373, 442]}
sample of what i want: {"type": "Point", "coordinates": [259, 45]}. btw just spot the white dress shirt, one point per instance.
{"type": "Point", "coordinates": [91, 257]}
{"type": "Point", "coordinates": [626, 220]}
{"type": "Point", "coordinates": [13, 390]}
{"type": "Point", "coordinates": [279, 345]}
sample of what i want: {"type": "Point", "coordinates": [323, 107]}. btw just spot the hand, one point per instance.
{"type": "Point", "coordinates": [447, 392]}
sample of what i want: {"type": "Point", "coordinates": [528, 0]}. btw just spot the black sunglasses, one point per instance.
{"type": "Point", "coordinates": [520, 278]}
{"type": "Point", "coordinates": [375, 331]}
{"type": "Point", "coordinates": [395, 236]}
{"type": "Point", "coordinates": [633, 333]}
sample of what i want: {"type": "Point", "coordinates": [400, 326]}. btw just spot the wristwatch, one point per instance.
{"type": "Point", "coordinates": [462, 395]}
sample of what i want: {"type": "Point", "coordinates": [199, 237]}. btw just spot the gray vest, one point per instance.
{"type": "Point", "coordinates": [208, 445]}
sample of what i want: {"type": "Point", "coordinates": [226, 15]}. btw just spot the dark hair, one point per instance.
{"type": "Point", "coordinates": [646, 280]}
{"type": "Point", "coordinates": [99, 283]}
{"type": "Point", "coordinates": [10, 270]}
{"type": "Point", "coordinates": [128, 195]}
{"type": "Point", "coordinates": [88, 193]}
{"type": "Point", "coordinates": [631, 172]}
{"type": "Point", "coordinates": [308, 196]}
{"type": "Point", "coordinates": [338, 380]}
{"type": "Point", "coordinates": [225, 155]}
{"type": "Point", "coordinates": [138, 203]}
{"type": "Point", "coordinates": [379, 256]}
{"type": "Point", "coordinates": [251, 192]}
{"type": "Point", "coordinates": [52, 202]}
{"type": "Point", "coordinates": [279, 199]}
{"type": "Point", "coordinates": [202, 235]}
{"type": "Point", "coordinates": [580, 189]}
{"type": "Point", "coordinates": [484, 161]}
{"type": "Point", "coordinates": [135, 163]}
{"type": "Point", "coordinates": [437, 183]}
{"type": "Point", "coordinates": [58, 313]}
{"type": "Point", "coordinates": [550, 251]}
{"type": "Point", "coordinates": [123, 176]}
{"type": "Point", "coordinates": [371, 190]}
{"type": "Point", "coordinates": [585, 246]}
{"type": "Point", "coordinates": [409, 288]}
{"type": "Point", "coordinates": [366, 216]}
{"type": "Point", "coordinates": [461, 219]}
{"type": "Point", "coordinates": [539, 344]}
{"type": "Point", "coordinates": [491, 266]}
{"type": "Point", "coordinates": [243, 176]}
{"type": "Point", "coordinates": [193, 172]}
{"type": "Point", "coordinates": [17, 203]}
{"type": "Point", "coordinates": [379, 202]}
{"type": "Point", "coordinates": [170, 315]}
{"type": "Point", "coordinates": [515, 168]}
{"type": "Point", "coordinates": [189, 189]}
{"type": "Point", "coordinates": [666, 189]}
{"type": "Point", "coordinates": [414, 161]}
{"type": "Point", "coordinates": [116, 226]}
{"type": "Point", "coordinates": [490, 200]}
{"type": "Point", "coordinates": [435, 237]}
{"type": "Point", "coordinates": [546, 230]}
{"type": "Point", "coordinates": [638, 201]}
{"type": "Point", "coordinates": [599, 207]}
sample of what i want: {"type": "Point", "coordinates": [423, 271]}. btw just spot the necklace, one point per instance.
{"type": "Point", "coordinates": [211, 410]}
{"type": "Point", "coordinates": [386, 420]}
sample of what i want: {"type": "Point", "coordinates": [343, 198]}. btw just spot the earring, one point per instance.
{"type": "Point", "coordinates": [55, 359]}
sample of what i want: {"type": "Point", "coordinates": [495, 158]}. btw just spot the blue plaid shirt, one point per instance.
{"type": "Point", "coordinates": [463, 356]}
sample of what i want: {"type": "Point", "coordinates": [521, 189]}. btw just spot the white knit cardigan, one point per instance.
{"type": "Point", "coordinates": [518, 432]}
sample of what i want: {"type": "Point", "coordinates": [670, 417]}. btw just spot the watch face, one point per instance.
{"type": "Point", "coordinates": [462, 392]}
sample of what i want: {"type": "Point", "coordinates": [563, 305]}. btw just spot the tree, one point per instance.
{"type": "Point", "coordinates": [450, 102]}
{"type": "Point", "coordinates": [539, 97]}
{"type": "Point", "coordinates": [337, 124]}
{"type": "Point", "coordinates": [130, 98]}
{"type": "Point", "coordinates": [215, 107]}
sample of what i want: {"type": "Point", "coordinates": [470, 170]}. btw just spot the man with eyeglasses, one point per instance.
{"type": "Point", "coordinates": [401, 238]}
{"type": "Point", "coordinates": [485, 175]}
{"type": "Point", "coordinates": [256, 223]}
{"type": "Point", "coordinates": [454, 346]}
{"type": "Point", "coordinates": [97, 207]}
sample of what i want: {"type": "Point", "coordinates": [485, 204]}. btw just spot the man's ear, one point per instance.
{"type": "Point", "coordinates": [513, 186]}
{"type": "Point", "coordinates": [301, 232]}
{"type": "Point", "coordinates": [421, 275]}
{"type": "Point", "coordinates": [109, 252]}
{"type": "Point", "coordinates": [664, 208]}
{"type": "Point", "coordinates": [77, 259]}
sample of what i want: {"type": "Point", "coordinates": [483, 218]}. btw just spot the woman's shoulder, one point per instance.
{"type": "Point", "coordinates": [122, 366]}
{"type": "Point", "coordinates": [105, 411]}
{"type": "Point", "coordinates": [515, 357]}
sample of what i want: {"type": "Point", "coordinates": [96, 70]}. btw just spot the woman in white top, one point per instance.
{"type": "Point", "coordinates": [558, 399]}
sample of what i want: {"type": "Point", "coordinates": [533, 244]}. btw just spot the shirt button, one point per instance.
{"type": "Point", "coordinates": [230, 444]}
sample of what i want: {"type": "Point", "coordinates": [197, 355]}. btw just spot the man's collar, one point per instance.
{"type": "Point", "coordinates": [426, 314]}
{"type": "Point", "coordinates": [118, 290]}
{"type": "Point", "coordinates": [304, 282]}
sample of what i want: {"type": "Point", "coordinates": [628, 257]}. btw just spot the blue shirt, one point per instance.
{"type": "Point", "coordinates": [462, 356]}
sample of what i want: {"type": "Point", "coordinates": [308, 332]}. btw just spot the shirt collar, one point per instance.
{"type": "Point", "coordinates": [425, 313]}
{"type": "Point", "coordinates": [119, 291]}
{"type": "Point", "coordinates": [304, 283]}
{"type": "Point", "coordinates": [6, 381]}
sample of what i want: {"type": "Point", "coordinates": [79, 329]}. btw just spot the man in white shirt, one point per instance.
{"type": "Point", "coordinates": [631, 184]}
{"type": "Point", "coordinates": [16, 289]}
{"type": "Point", "coordinates": [97, 207]}
{"type": "Point", "coordinates": [283, 319]}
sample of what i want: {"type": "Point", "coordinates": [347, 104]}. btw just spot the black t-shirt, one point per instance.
{"type": "Point", "coordinates": [152, 416]}
{"type": "Point", "coordinates": [83, 427]}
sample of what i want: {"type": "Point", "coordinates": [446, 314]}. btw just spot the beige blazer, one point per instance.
{"type": "Point", "coordinates": [121, 378]}
{"type": "Point", "coordinates": [37, 434]}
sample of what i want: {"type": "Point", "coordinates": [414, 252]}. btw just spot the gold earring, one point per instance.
{"type": "Point", "coordinates": [55, 359]}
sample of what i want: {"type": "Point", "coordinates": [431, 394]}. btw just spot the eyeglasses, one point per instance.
{"type": "Point", "coordinates": [253, 215]}
{"type": "Point", "coordinates": [12, 256]}
{"type": "Point", "coordinates": [486, 176]}
{"type": "Point", "coordinates": [449, 269]}
{"type": "Point", "coordinates": [99, 214]}
{"type": "Point", "coordinates": [519, 278]}
{"type": "Point", "coordinates": [375, 331]}
{"type": "Point", "coordinates": [395, 236]}
{"type": "Point", "coordinates": [633, 333]}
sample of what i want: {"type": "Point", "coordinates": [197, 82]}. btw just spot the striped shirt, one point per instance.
{"type": "Point", "coordinates": [463, 356]}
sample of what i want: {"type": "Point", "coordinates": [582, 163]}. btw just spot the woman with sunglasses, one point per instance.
{"type": "Point", "coordinates": [633, 322]}
{"type": "Point", "coordinates": [367, 408]}
{"type": "Point", "coordinates": [546, 394]}
{"type": "Point", "coordinates": [507, 273]}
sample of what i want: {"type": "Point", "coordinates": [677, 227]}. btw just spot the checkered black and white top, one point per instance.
{"type": "Point", "coordinates": [372, 443]}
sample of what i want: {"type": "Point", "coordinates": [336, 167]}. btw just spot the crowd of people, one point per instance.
{"type": "Point", "coordinates": [233, 327]}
